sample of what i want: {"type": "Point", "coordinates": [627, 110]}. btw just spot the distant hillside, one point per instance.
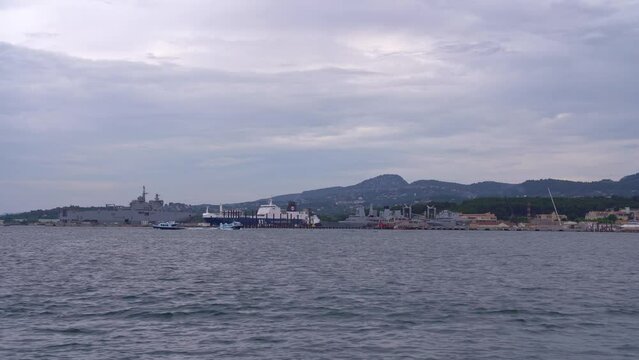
{"type": "Point", "coordinates": [389, 190]}
{"type": "Point", "coordinates": [392, 189]}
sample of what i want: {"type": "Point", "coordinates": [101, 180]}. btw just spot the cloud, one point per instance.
{"type": "Point", "coordinates": [293, 95]}
{"type": "Point", "coordinates": [41, 35]}
{"type": "Point", "coordinates": [558, 119]}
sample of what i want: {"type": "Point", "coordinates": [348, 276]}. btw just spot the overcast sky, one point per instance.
{"type": "Point", "coordinates": [227, 101]}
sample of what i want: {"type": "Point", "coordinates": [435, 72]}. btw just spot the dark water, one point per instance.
{"type": "Point", "coordinates": [126, 293]}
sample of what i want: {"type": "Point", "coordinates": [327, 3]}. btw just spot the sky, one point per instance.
{"type": "Point", "coordinates": [229, 101]}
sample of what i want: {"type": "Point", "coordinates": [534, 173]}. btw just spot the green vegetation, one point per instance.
{"type": "Point", "coordinates": [31, 216]}
{"type": "Point", "coordinates": [611, 219]}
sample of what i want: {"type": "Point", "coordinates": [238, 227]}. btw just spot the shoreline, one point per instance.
{"type": "Point", "coordinates": [197, 227]}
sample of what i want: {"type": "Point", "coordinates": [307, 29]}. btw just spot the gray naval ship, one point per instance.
{"type": "Point", "coordinates": [139, 212]}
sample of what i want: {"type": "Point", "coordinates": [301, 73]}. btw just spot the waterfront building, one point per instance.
{"type": "Point", "coordinates": [550, 221]}
{"type": "Point", "coordinates": [483, 221]}
{"type": "Point", "coordinates": [623, 215]}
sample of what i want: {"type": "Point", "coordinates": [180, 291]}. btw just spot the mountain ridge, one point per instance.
{"type": "Point", "coordinates": [392, 189]}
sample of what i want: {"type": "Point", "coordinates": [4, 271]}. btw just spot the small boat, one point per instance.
{"type": "Point", "coordinates": [168, 225]}
{"type": "Point", "coordinates": [235, 225]}
{"type": "Point", "coordinates": [631, 226]}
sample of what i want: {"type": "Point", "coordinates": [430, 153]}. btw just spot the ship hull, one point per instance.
{"type": "Point", "coordinates": [168, 227]}
{"type": "Point", "coordinates": [254, 222]}
{"type": "Point", "coordinates": [124, 216]}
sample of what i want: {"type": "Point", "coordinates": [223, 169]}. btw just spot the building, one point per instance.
{"type": "Point", "coordinates": [622, 215]}
{"type": "Point", "coordinates": [483, 221]}
{"type": "Point", "coordinates": [550, 221]}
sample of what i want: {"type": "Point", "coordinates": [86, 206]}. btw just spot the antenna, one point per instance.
{"type": "Point", "coordinates": [554, 206]}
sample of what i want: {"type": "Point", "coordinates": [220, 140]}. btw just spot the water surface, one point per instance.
{"type": "Point", "coordinates": [137, 293]}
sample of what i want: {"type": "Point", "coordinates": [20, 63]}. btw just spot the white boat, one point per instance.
{"type": "Point", "coordinates": [630, 226]}
{"type": "Point", "coordinates": [168, 225]}
{"type": "Point", "coordinates": [235, 225]}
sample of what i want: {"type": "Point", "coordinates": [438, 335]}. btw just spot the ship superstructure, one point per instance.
{"type": "Point", "coordinates": [404, 219]}
{"type": "Point", "coordinates": [267, 215]}
{"type": "Point", "coordinates": [380, 219]}
{"type": "Point", "coordinates": [447, 219]}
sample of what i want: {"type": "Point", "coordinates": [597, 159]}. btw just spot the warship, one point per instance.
{"type": "Point", "coordinates": [139, 212]}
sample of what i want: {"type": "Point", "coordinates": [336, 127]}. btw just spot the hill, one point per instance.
{"type": "Point", "coordinates": [391, 189]}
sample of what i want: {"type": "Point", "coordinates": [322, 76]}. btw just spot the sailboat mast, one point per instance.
{"type": "Point", "coordinates": [554, 206]}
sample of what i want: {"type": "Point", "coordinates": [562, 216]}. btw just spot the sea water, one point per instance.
{"type": "Point", "coordinates": [139, 293]}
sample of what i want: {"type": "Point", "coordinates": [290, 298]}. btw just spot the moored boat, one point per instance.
{"type": "Point", "coordinates": [630, 226]}
{"type": "Point", "coordinates": [267, 215]}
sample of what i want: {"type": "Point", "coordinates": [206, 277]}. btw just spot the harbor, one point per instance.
{"type": "Point", "coordinates": [154, 212]}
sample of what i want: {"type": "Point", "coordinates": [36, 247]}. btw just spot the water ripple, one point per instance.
{"type": "Point", "coordinates": [280, 294]}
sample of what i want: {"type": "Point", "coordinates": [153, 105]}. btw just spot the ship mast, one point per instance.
{"type": "Point", "coordinates": [428, 211]}
{"type": "Point", "coordinates": [554, 206]}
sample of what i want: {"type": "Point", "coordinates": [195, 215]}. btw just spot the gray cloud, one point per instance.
{"type": "Point", "coordinates": [243, 100]}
